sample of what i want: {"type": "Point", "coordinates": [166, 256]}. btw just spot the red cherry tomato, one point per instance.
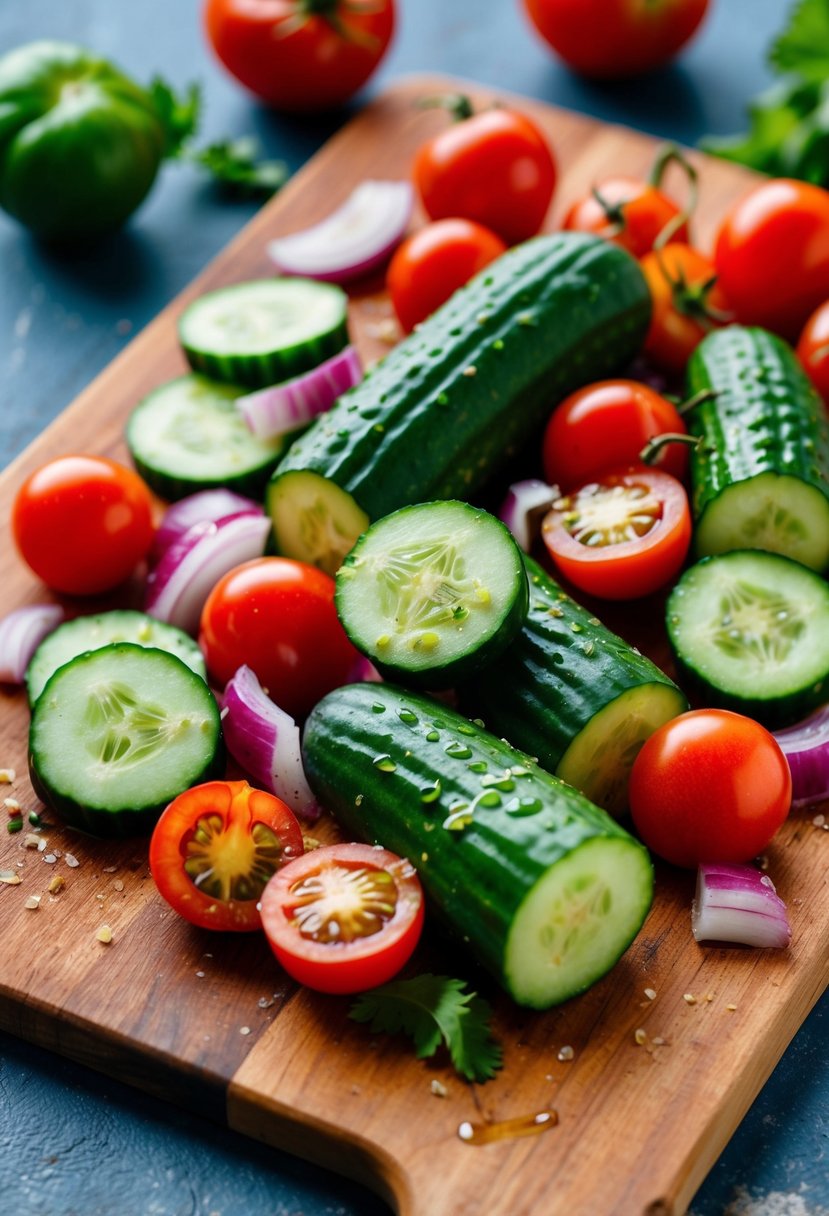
{"type": "Point", "coordinates": [709, 786]}
{"type": "Point", "coordinates": [606, 425]}
{"type": "Point", "coordinates": [214, 849]}
{"type": "Point", "coordinates": [813, 349]}
{"type": "Point", "coordinates": [772, 255]}
{"type": "Point", "coordinates": [687, 301]}
{"type": "Point", "coordinates": [434, 262]}
{"type": "Point", "coordinates": [616, 38]}
{"type": "Point", "coordinates": [83, 523]}
{"type": "Point", "coordinates": [297, 55]}
{"type": "Point", "coordinates": [278, 617]}
{"type": "Point", "coordinates": [494, 167]}
{"type": "Point", "coordinates": [628, 212]}
{"type": "Point", "coordinates": [343, 918]}
{"type": "Point", "coordinates": [622, 536]}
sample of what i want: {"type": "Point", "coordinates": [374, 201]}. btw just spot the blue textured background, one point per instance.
{"type": "Point", "coordinates": [72, 1142]}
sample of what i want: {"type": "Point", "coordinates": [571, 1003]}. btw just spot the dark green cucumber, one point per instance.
{"type": "Point", "coordinates": [456, 398]}
{"type": "Point", "coordinates": [545, 889]}
{"type": "Point", "coordinates": [574, 694]}
{"type": "Point", "coordinates": [117, 733]}
{"type": "Point", "coordinates": [750, 631]}
{"type": "Point", "coordinates": [760, 478]}
{"type": "Point", "coordinates": [433, 592]}
{"type": "Point", "coordinates": [264, 331]}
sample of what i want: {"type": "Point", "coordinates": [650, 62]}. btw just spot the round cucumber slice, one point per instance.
{"type": "Point", "coordinates": [751, 630]}
{"type": "Point", "coordinates": [92, 632]}
{"type": "Point", "coordinates": [433, 592]}
{"type": "Point", "coordinates": [117, 733]}
{"type": "Point", "coordinates": [314, 521]}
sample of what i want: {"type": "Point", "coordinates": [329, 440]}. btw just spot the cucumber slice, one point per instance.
{"type": "Point", "coordinates": [314, 519]}
{"type": "Point", "coordinates": [433, 592]}
{"type": "Point", "coordinates": [261, 332]}
{"type": "Point", "coordinates": [188, 436]}
{"type": "Point", "coordinates": [117, 733]}
{"type": "Point", "coordinates": [751, 630]}
{"type": "Point", "coordinates": [92, 632]}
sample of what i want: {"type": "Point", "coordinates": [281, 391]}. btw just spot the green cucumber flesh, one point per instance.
{"type": "Point", "coordinates": [751, 629]}
{"type": "Point", "coordinates": [117, 733]}
{"type": "Point", "coordinates": [314, 517]}
{"type": "Point", "coordinates": [433, 592]}
{"type": "Point", "coordinates": [102, 629]}
{"type": "Point", "coordinates": [188, 436]}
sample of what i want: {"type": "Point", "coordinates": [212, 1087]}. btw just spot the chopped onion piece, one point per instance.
{"type": "Point", "coordinates": [525, 505]}
{"type": "Point", "coordinates": [355, 239]}
{"type": "Point", "coordinates": [806, 747]}
{"type": "Point", "coordinates": [204, 507]}
{"type": "Point", "coordinates": [286, 407]}
{"type": "Point", "coordinates": [21, 632]}
{"type": "Point", "coordinates": [364, 672]}
{"type": "Point", "coordinates": [191, 566]}
{"type": "Point", "coordinates": [738, 904]}
{"type": "Point", "coordinates": [265, 741]}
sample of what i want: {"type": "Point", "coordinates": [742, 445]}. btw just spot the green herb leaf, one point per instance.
{"type": "Point", "coordinates": [179, 114]}
{"type": "Point", "coordinates": [803, 47]}
{"type": "Point", "coordinates": [434, 1009]}
{"type": "Point", "coordinates": [233, 162]}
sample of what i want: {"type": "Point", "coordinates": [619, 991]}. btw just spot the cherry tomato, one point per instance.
{"type": "Point", "coordinates": [624, 535]}
{"type": "Point", "coordinates": [709, 786]}
{"type": "Point", "coordinates": [494, 167]}
{"type": "Point", "coordinates": [278, 617]}
{"type": "Point", "coordinates": [628, 212]}
{"type": "Point", "coordinates": [606, 425]}
{"type": "Point", "coordinates": [300, 55]}
{"type": "Point", "coordinates": [772, 255]}
{"type": "Point", "coordinates": [687, 301]}
{"type": "Point", "coordinates": [434, 262]}
{"type": "Point", "coordinates": [813, 349]}
{"type": "Point", "coordinates": [83, 523]}
{"type": "Point", "coordinates": [343, 918]}
{"type": "Point", "coordinates": [214, 849]}
{"type": "Point", "coordinates": [616, 38]}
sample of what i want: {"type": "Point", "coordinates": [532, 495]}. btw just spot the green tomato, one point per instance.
{"type": "Point", "coordinates": [80, 143]}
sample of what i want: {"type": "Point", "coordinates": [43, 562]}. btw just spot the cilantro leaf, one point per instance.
{"type": "Point", "coordinates": [233, 162]}
{"type": "Point", "coordinates": [803, 47]}
{"type": "Point", "coordinates": [179, 114]}
{"type": "Point", "coordinates": [434, 1009]}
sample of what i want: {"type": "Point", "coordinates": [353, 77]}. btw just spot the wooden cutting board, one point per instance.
{"type": "Point", "coordinates": [211, 1022]}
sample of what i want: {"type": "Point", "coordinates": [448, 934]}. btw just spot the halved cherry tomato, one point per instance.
{"type": "Point", "coordinates": [494, 167]}
{"type": "Point", "coordinates": [709, 786]}
{"type": "Point", "coordinates": [687, 301]}
{"type": "Point", "coordinates": [813, 349]}
{"type": "Point", "coordinates": [434, 262]}
{"type": "Point", "coordinates": [624, 535]}
{"type": "Point", "coordinates": [214, 849]}
{"type": "Point", "coordinates": [345, 917]}
{"type": "Point", "coordinates": [605, 425]}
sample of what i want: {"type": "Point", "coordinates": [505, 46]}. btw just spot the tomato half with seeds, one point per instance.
{"type": "Point", "coordinates": [622, 536]}
{"type": "Point", "coordinates": [344, 917]}
{"type": "Point", "coordinates": [214, 849]}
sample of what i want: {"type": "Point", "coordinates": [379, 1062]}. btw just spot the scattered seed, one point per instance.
{"type": "Point", "coordinates": [200, 975]}
{"type": "Point", "coordinates": [438, 1089]}
{"type": "Point", "coordinates": [56, 884]}
{"type": "Point", "coordinates": [32, 903]}
{"type": "Point", "coordinates": [71, 861]}
{"type": "Point", "coordinates": [640, 1037]}
{"type": "Point", "coordinates": [118, 885]}
{"type": "Point", "coordinates": [311, 843]}
{"type": "Point", "coordinates": [819, 820]}
{"type": "Point", "coordinates": [104, 935]}
{"type": "Point", "coordinates": [244, 1030]}
{"type": "Point", "coordinates": [7, 776]}
{"type": "Point", "coordinates": [565, 1053]}
{"type": "Point", "coordinates": [731, 1008]}
{"type": "Point", "coordinates": [12, 880]}
{"type": "Point", "coordinates": [659, 1041]}
{"type": "Point", "coordinates": [50, 858]}
{"type": "Point", "coordinates": [650, 993]}
{"type": "Point", "coordinates": [709, 996]}
{"type": "Point", "coordinates": [265, 1002]}
{"type": "Point", "coordinates": [110, 869]}
{"type": "Point", "coordinates": [689, 998]}
{"type": "Point", "coordinates": [471, 370]}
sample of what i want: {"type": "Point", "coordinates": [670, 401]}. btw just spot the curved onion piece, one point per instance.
{"type": "Point", "coordinates": [265, 741]}
{"type": "Point", "coordinates": [364, 672]}
{"type": "Point", "coordinates": [738, 904]}
{"type": "Point", "coordinates": [192, 565]}
{"type": "Point", "coordinates": [526, 504]}
{"type": "Point", "coordinates": [286, 407]}
{"type": "Point", "coordinates": [806, 747]}
{"type": "Point", "coordinates": [206, 506]}
{"type": "Point", "coordinates": [21, 632]}
{"type": "Point", "coordinates": [353, 240]}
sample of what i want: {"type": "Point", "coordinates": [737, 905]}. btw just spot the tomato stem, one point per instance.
{"type": "Point", "coordinates": [705, 394]}
{"type": "Point", "coordinates": [691, 299]}
{"type": "Point", "coordinates": [652, 449]}
{"type": "Point", "coordinates": [667, 155]}
{"type": "Point", "coordinates": [456, 104]}
{"type": "Point", "coordinates": [614, 214]}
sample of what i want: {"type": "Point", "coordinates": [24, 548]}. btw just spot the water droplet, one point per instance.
{"type": "Point", "coordinates": [432, 736]}
{"type": "Point", "coordinates": [378, 708]}
{"type": "Point", "coordinates": [490, 799]}
{"type": "Point", "coordinates": [460, 817]}
{"type": "Point", "coordinates": [385, 763]}
{"type": "Point", "coordinates": [504, 782]}
{"type": "Point", "coordinates": [458, 751]}
{"type": "Point", "coordinates": [430, 793]}
{"type": "Point", "coordinates": [466, 729]}
{"type": "Point", "coordinates": [477, 766]}
{"type": "Point", "coordinates": [524, 806]}
{"type": "Point", "coordinates": [408, 716]}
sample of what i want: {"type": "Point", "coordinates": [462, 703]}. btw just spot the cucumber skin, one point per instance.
{"type": "Point", "coordinates": [770, 420]}
{"type": "Point", "coordinates": [476, 878]}
{"type": "Point", "coordinates": [546, 687]}
{"type": "Point", "coordinates": [546, 317]}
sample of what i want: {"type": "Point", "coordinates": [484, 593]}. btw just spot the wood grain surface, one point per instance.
{"type": "Point", "coordinates": [210, 1022]}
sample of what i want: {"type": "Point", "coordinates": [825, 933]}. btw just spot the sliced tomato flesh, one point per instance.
{"type": "Point", "coordinates": [342, 903]}
{"type": "Point", "coordinates": [601, 515]}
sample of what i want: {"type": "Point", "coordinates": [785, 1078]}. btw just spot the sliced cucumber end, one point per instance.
{"type": "Point", "coordinates": [577, 921]}
{"type": "Point", "coordinates": [599, 759]}
{"type": "Point", "coordinates": [772, 512]}
{"type": "Point", "coordinates": [314, 520]}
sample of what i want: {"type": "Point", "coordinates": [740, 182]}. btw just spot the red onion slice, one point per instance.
{"type": "Point", "coordinates": [204, 507]}
{"type": "Point", "coordinates": [355, 239]}
{"type": "Point", "coordinates": [265, 741]}
{"type": "Point", "coordinates": [286, 407]}
{"type": "Point", "coordinates": [806, 747]}
{"type": "Point", "coordinates": [526, 504]}
{"type": "Point", "coordinates": [191, 566]}
{"type": "Point", "coordinates": [21, 632]}
{"type": "Point", "coordinates": [738, 904]}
